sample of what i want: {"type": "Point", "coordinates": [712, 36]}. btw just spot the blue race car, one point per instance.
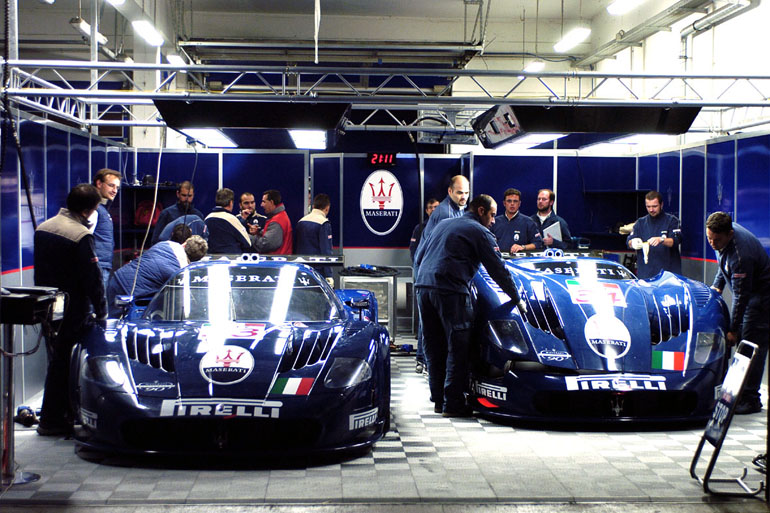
{"type": "Point", "coordinates": [237, 357]}
{"type": "Point", "coordinates": [597, 344]}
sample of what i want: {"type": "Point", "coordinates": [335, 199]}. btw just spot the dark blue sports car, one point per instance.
{"type": "Point", "coordinates": [597, 344]}
{"type": "Point", "coordinates": [235, 357]}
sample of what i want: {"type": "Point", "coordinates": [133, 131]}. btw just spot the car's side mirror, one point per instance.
{"type": "Point", "coordinates": [123, 302]}
{"type": "Point", "coordinates": [360, 305]}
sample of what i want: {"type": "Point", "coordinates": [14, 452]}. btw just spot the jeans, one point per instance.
{"type": "Point", "coordinates": [446, 323]}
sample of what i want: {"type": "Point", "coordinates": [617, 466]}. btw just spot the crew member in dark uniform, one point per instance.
{"type": "Point", "coordinates": [65, 258]}
{"type": "Point", "coordinates": [662, 234]}
{"type": "Point", "coordinates": [515, 232]}
{"type": "Point", "coordinates": [744, 264]}
{"type": "Point", "coordinates": [430, 206]}
{"type": "Point", "coordinates": [452, 206]}
{"type": "Point", "coordinates": [447, 261]}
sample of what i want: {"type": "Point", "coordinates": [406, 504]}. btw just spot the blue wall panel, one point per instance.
{"type": "Point", "coordinates": [595, 213]}
{"type": "Point", "coordinates": [753, 187]}
{"type": "Point", "coordinates": [720, 177]}
{"type": "Point", "coordinates": [326, 178]}
{"type": "Point", "coordinates": [258, 172]}
{"type": "Point", "coordinates": [438, 173]}
{"type": "Point", "coordinates": [693, 208]}
{"type": "Point", "coordinates": [493, 175]}
{"type": "Point", "coordinates": [176, 167]}
{"type": "Point", "coordinates": [9, 205]}
{"type": "Point", "coordinates": [79, 172]}
{"type": "Point", "coordinates": [356, 234]}
{"type": "Point", "coordinates": [668, 182]}
{"type": "Point", "coordinates": [32, 139]}
{"type": "Point", "coordinates": [98, 156]}
{"type": "Point", "coordinates": [57, 170]}
{"type": "Point", "coordinates": [648, 173]}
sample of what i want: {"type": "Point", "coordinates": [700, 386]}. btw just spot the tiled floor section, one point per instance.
{"type": "Point", "coordinates": [424, 459]}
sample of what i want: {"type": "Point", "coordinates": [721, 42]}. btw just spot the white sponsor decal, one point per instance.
{"type": "Point", "coordinates": [220, 408]}
{"type": "Point", "coordinates": [88, 418]}
{"type": "Point", "coordinates": [491, 391]}
{"type": "Point", "coordinates": [154, 387]}
{"type": "Point", "coordinates": [552, 355]}
{"type": "Point", "coordinates": [607, 336]}
{"type": "Point", "coordinates": [227, 365]}
{"type": "Point", "coordinates": [382, 202]}
{"type": "Point", "coordinates": [616, 382]}
{"type": "Point", "coordinates": [363, 419]}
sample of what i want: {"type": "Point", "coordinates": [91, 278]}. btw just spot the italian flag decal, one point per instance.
{"type": "Point", "coordinates": [668, 360]}
{"type": "Point", "coordinates": [292, 386]}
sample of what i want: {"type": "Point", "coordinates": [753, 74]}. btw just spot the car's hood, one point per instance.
{"type": "Point", "coordinates": [234, 360]}
{"type": "Point", "coordinates": [602, 324]}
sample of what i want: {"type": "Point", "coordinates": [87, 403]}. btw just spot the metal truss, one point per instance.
{"type": "Point", "coordinates": [446, 104]}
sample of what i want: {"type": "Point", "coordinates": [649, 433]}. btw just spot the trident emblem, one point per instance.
{"type": "Point", "coordinates": [382, 197]}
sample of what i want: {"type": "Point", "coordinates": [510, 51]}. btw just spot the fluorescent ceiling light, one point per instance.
{"type": "Point", "coordinates": [621, 7]}
{"type": "Point", "coordinates": [571, 39]}
{"type": "Point", "coordinates": [643, 139]}
{"type": "Point", "coordinates": [145, 29]}
{"type": "Point", "coordinates": [176, 60]}
{"type": "Point", "coordinates": [535, 66]}
{"type": "Point", "coordinates": [116, 2]}
{"type": "Point", "coordinates": [309, 139]}
{"type": "Point", "coordinates": [210, 137]}
{"type": "Point", "coordinates": [49, 2]}
{"type": "Point", "coordinates": [84, 28]}
{"type": "Point", "coordinates": [534, 139]}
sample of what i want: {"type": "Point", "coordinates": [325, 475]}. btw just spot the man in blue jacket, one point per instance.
{"type": "Point", "coordinates": [452, 206]}
{"type": "Point", "coordinates": [226, 233]}
{"type": "Point", "coordinates": [745, 266]}
{"type": "Point", "coordinates": [65, 259]}
{"type": "Point", "coordinates": [661, 234]}
{"type": "Point", "coordinates": [313, 234]}
{"type": "Point", "coordinates": [515, 232]}
{"type": "Point", "coordinates": [107, 182]}
{"type": "Point", "coordinates": [447, 261]}
{"type": "Point", "coordinates": [546, 217]}
{"type": "Point", "coordinates": [155, 266]}
{"type": "Point", "coordinates": [184, 195]}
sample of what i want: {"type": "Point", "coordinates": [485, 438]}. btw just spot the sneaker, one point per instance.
{"type": "Point", "coordinates": [463, 412]}
{"type": "Point", "coordinates": [747, 406]}
{"type": "Point", "coordinates": [54, 429]}
{"type": "Point", "coordinates": [419, 368]}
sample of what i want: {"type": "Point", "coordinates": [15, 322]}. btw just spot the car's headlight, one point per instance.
{"type": "Point", "coordinates": [106, 370]}
{"type": "Point", "coordinates": [708, 346]}
{"type": "Point", "coordinates": [508, 335]}
{"type": "Point", "coordinates": [347, 372]}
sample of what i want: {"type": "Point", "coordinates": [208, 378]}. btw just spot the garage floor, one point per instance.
{"type": "Point", "coordinates": [426, 463]}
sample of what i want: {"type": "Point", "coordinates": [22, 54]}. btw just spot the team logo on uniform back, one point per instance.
{"type": "Point", "coordinates": [382, 202]}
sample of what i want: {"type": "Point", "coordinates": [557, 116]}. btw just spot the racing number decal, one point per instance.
{"type": "Point", "coordinates": [247, 330]}
{"type": "Point", "coordinates": [581, 294]}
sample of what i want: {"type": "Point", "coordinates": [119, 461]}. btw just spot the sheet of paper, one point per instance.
{"type": "Point", "coordinates": [554, 231]}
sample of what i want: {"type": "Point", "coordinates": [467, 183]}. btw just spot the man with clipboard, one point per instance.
{"type": "Point", "coordinates": [553, 228]}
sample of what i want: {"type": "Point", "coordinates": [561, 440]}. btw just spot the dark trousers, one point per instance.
{"type": "Point", "coordinates": [56, 409]}
{"type": "Point", "coordinates": [446, 327]}
{"type": "Point", "coordinates": [756, 329]}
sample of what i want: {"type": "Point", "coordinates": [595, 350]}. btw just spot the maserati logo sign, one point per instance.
{"type": "Point", "coordinates": [227, 365]}
{"type": "Point", "coordinates": [382, 202]}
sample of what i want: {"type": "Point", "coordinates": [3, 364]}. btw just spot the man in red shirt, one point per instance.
{"type": "Point", "coordinates": [276, 237]}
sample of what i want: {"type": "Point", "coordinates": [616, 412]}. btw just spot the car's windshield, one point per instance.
{"type": "Point", "coordinates": [586, 268]}
{"type": "Point", "coordinates": [244, 293]}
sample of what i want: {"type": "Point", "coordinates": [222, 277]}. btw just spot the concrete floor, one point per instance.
{"type": "Point", "coordinates": [426, 464]}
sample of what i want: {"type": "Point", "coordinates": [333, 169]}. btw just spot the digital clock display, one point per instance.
{"type": "Point", "coordinates": [381, 159]}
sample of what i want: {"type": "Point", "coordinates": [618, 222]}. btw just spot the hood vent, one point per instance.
{"type": "Point", "coordinates": [307, 348]}
{"type": "Point", "coordinates": [669, 316]}
{"type": "Point", "coordinates": [542, 313]}
{"type": "Point", "coordinates": [148, 348]}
